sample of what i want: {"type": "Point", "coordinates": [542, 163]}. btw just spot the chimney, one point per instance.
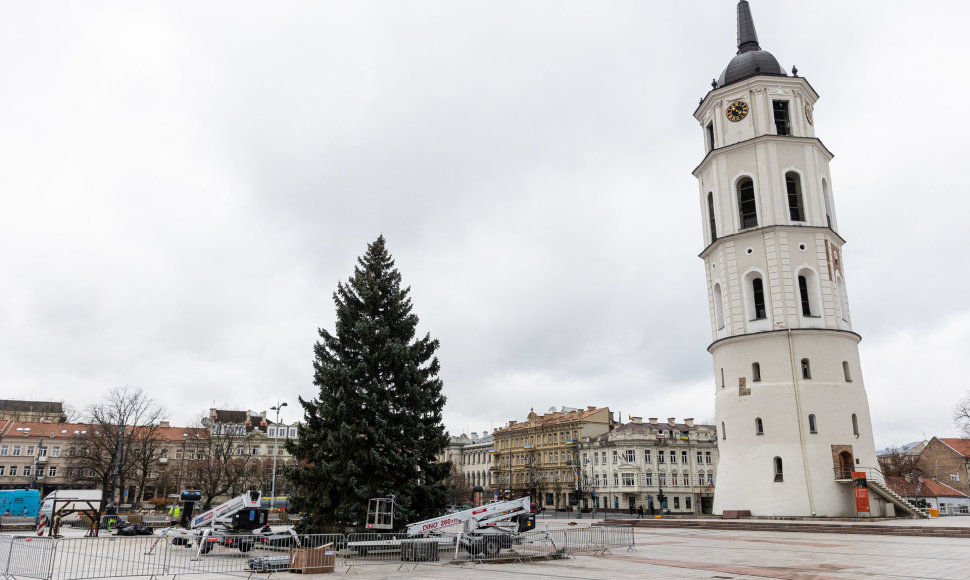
{"type": "Point", "coordinates": [636, 420]}
{"type": "Point", "coordinates": [671, 421]}
{"type": "Point", "coordinates": [590, 407]}
{"type": "Point", "coordinates": [689, 421]}
{"type": "Point", "coordinates": [164, 424]}
{"type": "Point", "coordinates": [653, 420]}
{"type": "Point", "coordinates": [512, 423]}
{"type": "Point", "coordinates": [474, 435]}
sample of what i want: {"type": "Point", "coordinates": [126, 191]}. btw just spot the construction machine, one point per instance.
{"type": "Point", "coordinates": [238, 523]}
{"type": "Point", "coordinates": [486, 529]}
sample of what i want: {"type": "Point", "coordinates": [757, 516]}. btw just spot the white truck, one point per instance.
{"type": "Point", "coordinates": [238, 523]}
{"type": "Point", "coordinates": [486, 529]}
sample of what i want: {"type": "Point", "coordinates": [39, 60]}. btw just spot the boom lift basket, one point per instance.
{"type": "Point", "coordinates": [380, 513]}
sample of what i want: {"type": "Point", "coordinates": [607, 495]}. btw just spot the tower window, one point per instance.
{"type": "Point", "coordinates": [796, 209]}
{"type": "Point", "coordinates": [808, 293]}
{"type": "Point", "coordinates": [803, 294]}
{"type": "Point", "coordinates": [722, 378]}
{"type": "Point", "coordinates": [806, 369]}
{"type": "Point", "coordinates": [747, 208]}
{"type": "Point", "coordinates": [758, 293]}
{"type": "Point", "coordinates": [828, 203]}
{"type": "Point", "coordinates": [855, 425]}
{"type": "Point", "coordinates": [710, 136]}
{"type": "Point", "coordinates": [755, 372]}
{"type": "Point", "coordinates": [843, 298]}
{"type": "Point", "coordinates": [759, 426]}
{"type": "Point", "coordinates": [845, 371]}
{"type": "Point", "coordinates": [782, 120]}
{"type": "Point", "coordinates": [811, 424]}
{"type": "Point", "coordinates": [779, 471]}
{"type": "Point", "coordinates": [718, 307]}
{"type": "Point", "coordinates": [723, 432]}
{"type": "Point", "coordinates": [710, 213]}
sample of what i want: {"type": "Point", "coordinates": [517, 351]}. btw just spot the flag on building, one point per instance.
{"type": "Point", "coordinates": [683, 436]}
{"type": "Point", "coordinates": [710, 482]}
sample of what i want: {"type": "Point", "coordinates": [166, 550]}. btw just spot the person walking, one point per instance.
{"type": "Point", "coordinates": [640, 512]}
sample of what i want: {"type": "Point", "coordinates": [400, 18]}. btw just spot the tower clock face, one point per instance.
{"type": "Point", "coordinates": [737, 111]}
{"type": "Point", "coordinates": [809, 114]}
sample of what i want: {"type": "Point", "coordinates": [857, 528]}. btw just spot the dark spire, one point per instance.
{"type": "Point", "coordinates": [747, 35]}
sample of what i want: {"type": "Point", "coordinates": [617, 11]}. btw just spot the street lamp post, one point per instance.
{"type": "Point", "coordinates": [276, 440]}
{"type": "Point", "coordinates": [112, 508]}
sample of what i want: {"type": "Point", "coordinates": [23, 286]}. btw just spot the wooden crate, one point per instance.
{"type": "Point", "coordinates": [313, 560]}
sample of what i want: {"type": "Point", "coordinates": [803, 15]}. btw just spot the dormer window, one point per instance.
{"type": "Point", "coordinates": [782, 119]}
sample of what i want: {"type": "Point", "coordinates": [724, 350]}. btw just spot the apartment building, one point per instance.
{"type": "Point", "coordinates": [633, 463]}
{"type": "Point", "coordinates": [540, 456]}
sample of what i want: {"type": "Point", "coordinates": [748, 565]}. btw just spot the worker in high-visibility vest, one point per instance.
{"type": "Point", "coordinates": [175, 513]}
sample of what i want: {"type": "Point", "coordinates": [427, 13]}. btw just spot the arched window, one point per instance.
{"type": "Point", "coordinates": [747, 207]}
{"type": "Point", "coordinates": [803, 296]}
{"type": "Point", "coordinates": [779, 471]}
{"type": "Point", "coordinates": [796, 210]}
{"type": "Point", "coordinates": [806, 369]}
{"type": "Point", "coordinates": [710, 214]}
{"type": "Point", "coordinates": [811, 424]}
{"type": "Point", "coordinates": [808, 293]}
{"type": "Point", "coordinates": [828, 203]}
{"type": "Point", "coordinates": [718, 307]}
{"type": "Point", "coordinates": [723, 431]}
{"type": "Point", "coordinates": [755, 372]}
{"type": "Point", "coordinates": [845, 371]}
{"type": "Point", "coordinates": [759, 426]}
{"type": "Point", "coordinates": [855, 425]}
{"type": "Point", "coordinates": [758, 294]}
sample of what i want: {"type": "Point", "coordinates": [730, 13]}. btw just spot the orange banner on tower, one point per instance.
{"type": "Point", "coordinates": [861, 488]}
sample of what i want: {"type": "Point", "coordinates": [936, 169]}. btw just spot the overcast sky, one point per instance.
{"type": "Point", "coordinates": [183, 184]}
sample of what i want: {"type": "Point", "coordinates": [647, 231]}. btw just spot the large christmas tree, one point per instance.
{"type": "Point", "coordinates": [375, 427]}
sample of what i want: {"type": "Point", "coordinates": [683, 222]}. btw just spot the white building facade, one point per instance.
{"type": "Point", "coordinates": [791, 407]}
{"type": "Point", "coordinates": [633, 464]}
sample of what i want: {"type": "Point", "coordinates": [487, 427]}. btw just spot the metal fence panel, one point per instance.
{"type": "Point", "coordinates": [593, 538]}
{"type": "Point", "coordinates": [484, 548]}
{"type": "Point", "coordinates": [5, 542]}
{"type": "Point", "coordinates": [30, 557]}
{"type": "Point", "coordinates": [107, 557]}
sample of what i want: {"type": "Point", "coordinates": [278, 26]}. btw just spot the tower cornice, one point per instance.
{"type": "Point", "coordinates": [795, 331]}
{"type": "Point", "coordinates": [761, 139]}
{"type": "Point", "coordinates": [750, 84]}
{"type": "Point", "coordinates": [767, 229]}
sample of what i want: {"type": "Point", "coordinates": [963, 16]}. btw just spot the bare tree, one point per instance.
{"type": "Point", "coordinates": [458, 486]}
{"type": "Point", "coordinates": [116, 425]}
{"type": "Point", "coordinates": [222, 463]}
{"type": "Point", "coordinates": [961, 415]}
{"type": "Point", "coordinates": [896, 464]}
{"type": "Point", "coordinates": [145, 445]}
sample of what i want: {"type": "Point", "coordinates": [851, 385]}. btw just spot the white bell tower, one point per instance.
{"type": "Point", "coordinates": [791, 407]}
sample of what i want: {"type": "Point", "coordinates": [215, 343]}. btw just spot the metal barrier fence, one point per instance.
{"type": "Point", "coordinates": [593, 538]}
{"type": "Point", "coordinates": [29, 557]}
{"type": "Point", "coordinates": [110, 556]}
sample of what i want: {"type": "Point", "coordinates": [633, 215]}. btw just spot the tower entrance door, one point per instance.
{"type": "Point", "coordinates": [843, 460]}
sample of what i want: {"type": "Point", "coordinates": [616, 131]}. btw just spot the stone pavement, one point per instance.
{"type": "Point", "coordinates": [727, 554]}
